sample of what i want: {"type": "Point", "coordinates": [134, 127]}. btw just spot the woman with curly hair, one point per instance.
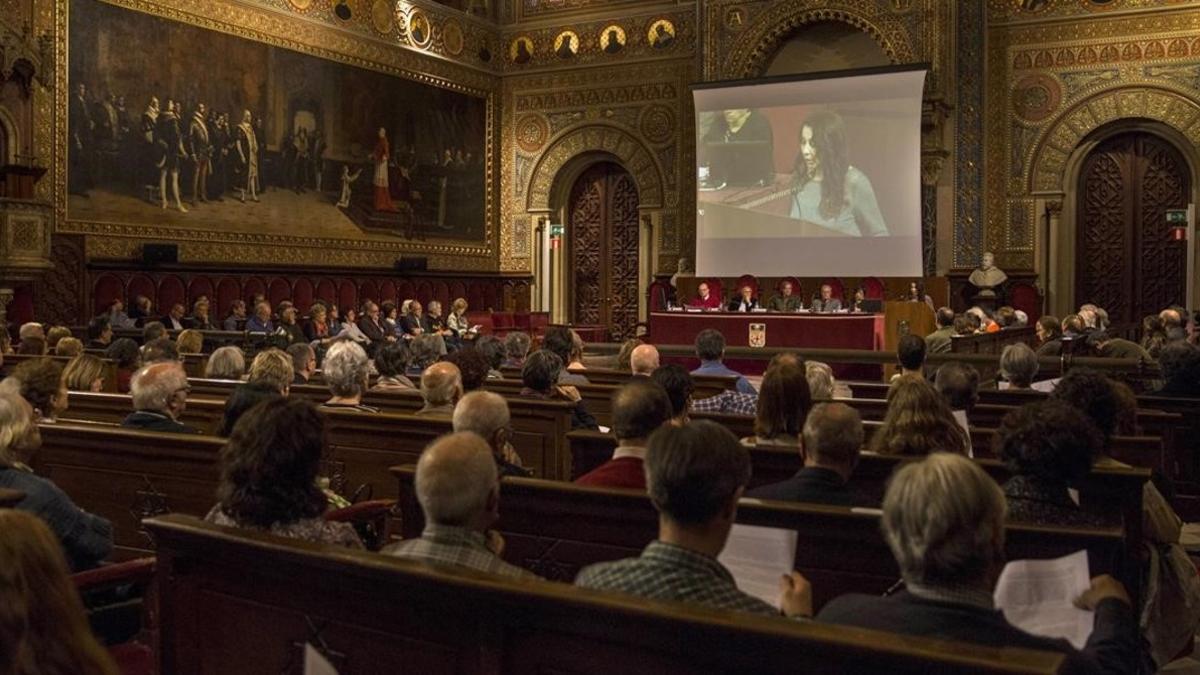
{"type": "Point", "coordinates": [918, 422]}
{"type": "Point", "coordinates": [43, 386]}
{"type": "Point", "coordinates": [43, 627]}
{"type": "Point", "coordinates": [827, 190]}
{"type": "Point", "coordinates": [269, 476]}
{"type": "Point", "coordinates": [190, 341]}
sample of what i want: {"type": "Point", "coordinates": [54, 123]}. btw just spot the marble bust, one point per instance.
{"type": "Point", "coordinates": [683, 270]}
{"type": "Point", "coordinates": [987, 276]}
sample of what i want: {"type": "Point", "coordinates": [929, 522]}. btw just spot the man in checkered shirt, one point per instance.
{"type": "Point", "coordinates": [459, 491]}
{"type": "Point", "coordinates": [695, 475]}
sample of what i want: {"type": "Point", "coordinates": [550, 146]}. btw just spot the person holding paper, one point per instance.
{"type": "Point", "coordinates": [943, 518]}
{"type": "Point", "coordinates": [695, 474]}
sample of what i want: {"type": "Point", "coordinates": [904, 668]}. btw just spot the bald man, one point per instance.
{"type": "Point", "coordinates": [441, 387]}
{"type": "Point", "coordinates": [459, 492]}
{"type": "Point", "coordinates": [486, 413]}
{"type": "Point", "coordinates": [159, 396]}
{"type": "Point", "coordinates": [643, 360]}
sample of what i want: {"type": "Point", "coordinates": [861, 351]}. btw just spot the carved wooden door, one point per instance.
{"type": "Point", "coordinates": [1125, 259]}
{"type": "Point", "coordinates": [602, 232]}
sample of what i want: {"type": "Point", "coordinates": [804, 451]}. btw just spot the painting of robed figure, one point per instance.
{"type": "Point", "coordinates": [180, 126]}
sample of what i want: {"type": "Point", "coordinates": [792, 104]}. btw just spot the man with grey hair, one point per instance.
{"type": "Point", "coordinates": [943, 518]}
{"type": "Point", "coordinates": [347, 372]}
{"type": "Point", "coordinates": [1019, 365]}
{"type": "Point", "coordinates": [459, 492]}
{"type": "Point", "coordinates": [832, 439]}
{"type": "Point", "coordinates": [486, 414]}
{"type": "Point", "coordinates": [31, 330]}
{"type": "Point", "coordinates": [516, 348]}
{"type": "Point", "coordinates": [643, 360]}
{"type": "Point", "coordinates": [441, 387]}
{"type": "Point", "coordinates": [160, 393]}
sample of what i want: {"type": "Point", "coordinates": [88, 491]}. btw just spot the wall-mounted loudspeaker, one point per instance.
{"type": "Point", "coordinates": [158, 254]}
{"type": "Point", "coordinates": [412, 264]}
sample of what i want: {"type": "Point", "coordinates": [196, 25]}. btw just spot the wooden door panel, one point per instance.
{"type": "Point", "coordinates": [603, 240]}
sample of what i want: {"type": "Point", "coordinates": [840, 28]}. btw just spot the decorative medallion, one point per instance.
{"type": "Point", "coordinates": [521, 50]}
{"type": "Point", "coordinates": [485, 50]}
{"type": "Point", "coordinates": [612, 39]}
{"type": "Point", "coordinates": [735, 18]}
{"type": "Point", "coordinates": [661, 34]}
{"type": "Point", "coordinates": [1036, 97]}
{"type": "Point", "coordinates": [657, 123]}
{"type": "Point", "coordinates": [452, 37]}
{"type": "Point", "coordinates": [419, 31]}
{"type": "Point", "coordinates": [343, 11]}
{"type": "Point", "coordinates": [566, 45]}
{"type": "Point", "coordinates": [301, 5]}
{"type": "Point", "coordinates": [382, 19]}
{"type": "Point", "coordinates": [532, 132]}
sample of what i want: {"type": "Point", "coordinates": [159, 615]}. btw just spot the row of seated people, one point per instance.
{"type": "Point", "coordinates": [787, 300]}
{"type": "Point", "coordinates": [782, 410]}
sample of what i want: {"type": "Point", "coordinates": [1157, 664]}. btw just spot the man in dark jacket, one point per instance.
{"type": "Point", "coordinates": [943, 518]}
{"type": "Point", "coordinates": [833, 435]}
{"type": "Point", "coordinates": [160, 393]}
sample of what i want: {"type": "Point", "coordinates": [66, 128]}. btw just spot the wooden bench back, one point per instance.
{"type": "Point", "coordinates": [109, 372]}
{"type": "Point", "coordinates": [372, 613]}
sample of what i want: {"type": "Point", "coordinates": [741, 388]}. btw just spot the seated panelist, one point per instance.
{"type": "Point", "coordinates": [825, 302]}
{"type": "Point", "coordinates": [744, 302]}
{"type": "Point", "coordinates": [705, 298]}
{"type": "Point", "coordinates": [785, 301]}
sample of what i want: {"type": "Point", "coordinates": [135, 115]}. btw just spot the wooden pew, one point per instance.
{"type": "Point", "coordinates": [706, 385]}
{"type": "Point", "coordinates": [202, 414]}
{"type": "Point", "coordinates": [555, 529]}
{"type": "Point", "coordinates": [109, 372]}
{"type": "Point", "coordinates": [371, 614]}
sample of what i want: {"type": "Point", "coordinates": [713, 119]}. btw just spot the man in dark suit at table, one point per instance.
{"type": "Point", "coordinates": [825, 302]}
{"type": "Point", "coordinates": [785, 301]}
{"type": "Point", "coordinates": [744, 302]}
{"type": "Point", "coordinates": [705, 298]}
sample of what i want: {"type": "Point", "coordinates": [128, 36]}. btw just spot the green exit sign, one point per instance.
{"type": "Point", "coordinates": [1177, 216]}
{"type": "Point", "coordinates": [556, 230]}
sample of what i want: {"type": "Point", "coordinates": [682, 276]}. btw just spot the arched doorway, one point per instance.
{"type": "Point", "coordinates": [1126, 261]}
{"type": "Point", "coordinates": [602, 241]}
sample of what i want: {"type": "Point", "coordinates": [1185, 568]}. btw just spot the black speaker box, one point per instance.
{"type": "Point", "coordinates": [158, 254]}
{"type": "Point", "coordinates": [412, 264]}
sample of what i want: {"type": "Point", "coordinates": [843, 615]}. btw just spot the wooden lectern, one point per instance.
{"type": "Point", "coordinates": [901, 317]}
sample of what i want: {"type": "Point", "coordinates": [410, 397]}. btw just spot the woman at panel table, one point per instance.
{"type": "Point", "coordinates": [744, 301]}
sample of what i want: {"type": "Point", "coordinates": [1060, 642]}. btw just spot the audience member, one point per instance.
{"type": "Point", "coordinates": [516, 348]}
{"type": "Point", "coordinates": [441, 387]}
{"type": "Point", "coordinates": [124, 353]}
{"type": "Point", "coordinates": [644, 360]}
{"type": "Point", "coordinates": [695, 475]}
{"type": "Point", "coordinates": [1072, 326]}
{"type": "Point", "coordinates": [783, 405]}
{"type": "Point", "coordinates": [678, 383]}
{"type": "Point", "coordinates": [31, 329]}
{"type": "Point", "coordinates": [68, 346]}
{"type": "Point", "coordinates": [200, 319]}
{"type": "Point", "coordinates": [153, 330]}
{"type": "Point", "coordinates": [959, 384]}
{"type": "Point", "coordinates": [1018, 365]}
{"type": "Point", "coordinates": [349, 329]}
{"type": "Point", "coordinates": [391, 361]}
{"type": "Point", "coordinates": [115, 313]}
{"type": "Point", "coordinates": [558, 341]}
{"type": "Point", "coordinates": [576, 361]}
{"type": "Point", "coordinates": [938, 342]}
{"type": "Point", "coordinates": [318, 327]}
{"type": "Point", "coordinates": [459, 491]}
{"type": "Point", "coordinates": [540, 379]}
{"type": "Point", "coordinates": [84, 373]}
{"type": "Point", "coordinates": [1047, 446]}
{"type": "Point", "coordinates": [458, 322]}
{"type": "Point", "coordinates": [472, 365]}
{"type": "Point", "coordinates": [190, 341]}
{"type": "Point", "coordinates": [86, 539]}
{"type": "Point", "coordinates": [1107, 345]}
{"type": "Point", "coordinates": [1173, 323]}
{"type": "Point", "coordinates": [269, 473]}
{"type": "Point", "coordinates": [710, 349]}
{"type": "Point", "coordinates": [1006, 317]}
{"type": "Point", "coordinates": [304, 362]}
{"type": "Point", "coordinates": [161, 350]}
{"type": "Point", "coordinates": [160, 392]}
{"type": "Point", "coordinates": [5, 341]}
{"type": "Point", "coordinates": [918, 422]}
{"type": "Point", "coordinates": [492, 351]}
{"type": "Point", "coordinates": [273, 367]}
{"type": "Point", "coordinates": [45, 630]}
{"type": "Point", "coordinates": [965, 324]}
{"type": "Point", "coordinates": [832, 440]}
{"type": "Point", "coordinates": [288, 328]}
{"type": "Point", "coordinates": [435, 324]}
{"type": "Point", "coordinates": [1049, 334]}
{"type": "Point", "coordinates": [261, 321]}
{"type": "Point", "coordinates": [1180, 364]}
{"type": "Point", "coordinates": [32, 346]}
{"type": "Point", "coordinates": [236, 317]}
{"type": "Point", "coordinates": [347, 372]}
{"type": "Point", "coordinates": [54, 335]}
{"type": "Point", "coordinates": [486, 413]}
{"type": "Point", "coordinates": [1154, 335]}
{"type": "Point", "coordinates": [638, 409]}
{"type": "Point", "coordinates": [623, 362]}
{"type": "Point", "coordinates": [425, 353]}
{"type": "Point", "coordinates": [174, 320]}
{"type": "Point", "coordinates": [42, 384]}
{"type": "Point", "coordinates": [943, 518]}
{"type": "Point", "coordinates": [244, 397]}
{"type": "Point", "coordinates": [226, 363]}
{"type": "Point", "coordinates": [910, 355]}
{"type": "Point", "coordinates": [413, 321]}
{"type": "Point", "coordinates": [99, 333]}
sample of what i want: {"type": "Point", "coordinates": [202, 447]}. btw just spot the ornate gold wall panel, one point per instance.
{"type": "Point", "coordinates": [1053, 82]}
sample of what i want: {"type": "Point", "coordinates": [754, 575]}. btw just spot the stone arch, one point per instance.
{"type": "Point", "coordinates": [750, 54]}
{"type": "Point", "coordinates": [1048, 165]}
{"type": "Point", "coordinates": [598, 140]}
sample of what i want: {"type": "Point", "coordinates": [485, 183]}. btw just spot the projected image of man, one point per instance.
{"type": "Point", "coordinates": [737, 149]}
{"type": "Point", "coordinates": [826, 189]}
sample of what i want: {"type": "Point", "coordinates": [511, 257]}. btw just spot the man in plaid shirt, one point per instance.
{"type": "Point", "coordinates": [459, 491]}
{"type": "Point", "coordinates": [695, 475]}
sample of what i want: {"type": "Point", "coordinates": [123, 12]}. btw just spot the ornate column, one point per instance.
{"type": "Point", "coordinates": [646, 258]}
{"type": "Point", "coordinates": [931, 172]}
{"type": "Point", "coordinates": [1049, 283]}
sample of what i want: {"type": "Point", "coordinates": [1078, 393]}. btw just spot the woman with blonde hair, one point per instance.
{"type": "Point", "coordinates": [84, 373]}
{"type": "Point", "coordinates": [918, 422]}
{"type": "Point", "coordinates": [190, 341]}
{"type": "Point", "coordinates": [43, 628]}
{"type": "Point", "coordinates": [457, 320]}
{"type": "Point", "coordinates": [69, 346]}
{"type": "Point", "coordinates": [226, 363]}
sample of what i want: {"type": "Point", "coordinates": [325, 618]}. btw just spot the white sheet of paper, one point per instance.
{"type": "Point", "coordinates": [315, 664]}
{"type": "Point", "coordinates": [1036, 596]}
{"type": "Point", "coordinates": [757, 557]}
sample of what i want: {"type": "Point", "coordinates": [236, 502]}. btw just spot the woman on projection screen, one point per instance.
{"type": "Point", "coordinates": [826, 190]}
